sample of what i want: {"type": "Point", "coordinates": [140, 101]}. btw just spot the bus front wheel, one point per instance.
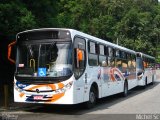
{"type": "Point", "coordinates": [92, 98]}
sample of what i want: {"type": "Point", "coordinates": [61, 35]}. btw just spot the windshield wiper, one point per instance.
{"type": "Point", "coordinates": [30, 50]}
{"type": "Point", "coordinates": [53, 43]}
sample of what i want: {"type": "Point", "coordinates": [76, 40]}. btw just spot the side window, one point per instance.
{"type": "Point", "coordinates": [101, 49]}
{"type": "Point", "coordinates": [151, 63]}
{"type": "Point", "coordinates": [119, 63]}
{"type": "Point", "coordinates": [111, 59]}
{"type": "Point", "coordinates": [130, 64]}
{"type": "Point", "coordinates": [146, 62]}
{"type": "Point", "coordinates": [133, 61]}
{"type": "Point", "coordinates": [79, 56]}
{"type": "Point", "coordinates": [117, 54]}
{"type": "Point", "coordinates": [92, 47]}
{"type": "Point", "coordinates": [110, 51]}
{"type": "Point", "coordinates": [106, 51]}
{"type": "Point", "coordinates": [102, 56]}
{"type": "Point", "coordinates": [93, 53]}
{"type": "Point", "coordinates": [124, 65]}
{"type": "Point", "coordinates": [123, 55]}
{"type": "Point", "coordinates": [124, 62]}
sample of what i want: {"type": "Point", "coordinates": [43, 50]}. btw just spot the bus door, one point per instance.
{"type": "Point", "coordinates": [79, 67]}
{"type": "Point", "coordinates": [139, 68]}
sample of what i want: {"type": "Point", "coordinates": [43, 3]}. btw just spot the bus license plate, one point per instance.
{"type": "Point", "coordinates": [39, 97]}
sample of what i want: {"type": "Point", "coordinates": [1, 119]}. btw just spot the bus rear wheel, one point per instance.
{"type": "Point", "coordinates": [152, 80]}
{"type": "Point", "coordinates": [125, 90]}
{"type": "Point", "coordinates": [145, 84]}
{"type": "Point", "coordinates": [92, 98]}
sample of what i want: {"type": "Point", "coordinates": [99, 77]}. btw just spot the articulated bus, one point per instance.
{"type": "Point", "coordinates": [65, 66]}
{"type": "Point", "coordinates": [145, 69]}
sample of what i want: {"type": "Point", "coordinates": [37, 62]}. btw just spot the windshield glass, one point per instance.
{"type": "Point", "coordinates": [44, 60]}
{"type": "Point", "coordinates": [139, 63]}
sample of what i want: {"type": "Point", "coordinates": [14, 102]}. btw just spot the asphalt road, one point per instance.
{"type": "Point", "coordinates": [139, 104]}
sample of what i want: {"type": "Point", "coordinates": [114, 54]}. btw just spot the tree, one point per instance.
{"type": "Point", "coordinates": [45, 11]}
{"type": "Point", "coordinates": [15, 18]}
{"type": "Point", "coordinates": [135, 23]}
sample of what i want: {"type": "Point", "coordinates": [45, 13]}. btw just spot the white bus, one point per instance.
{"type": "Point", "coordinates": [65, 66]}
{"type": "Point", "coordinates": [145, 69]}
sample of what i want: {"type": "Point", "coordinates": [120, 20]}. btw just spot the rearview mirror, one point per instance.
{"type": "Point", "coordinates": [79, 58]}
{"type": "Point", "coordinates": [10, 52]}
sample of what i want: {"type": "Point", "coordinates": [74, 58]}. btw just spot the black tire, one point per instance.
{"type": "Point", "coordinates": [92, 98]}
{"type": "Point", "coordinates": [144, 87]}
{"type": "Point", "coordinates": [152, 80]}
{"type": "Point", "coordinates": [125, 90]}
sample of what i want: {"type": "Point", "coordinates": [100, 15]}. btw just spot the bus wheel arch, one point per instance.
{"type": "Point", "coordinates": [95, 86]}
{"type": "Point", "coordinates": [93, 96]}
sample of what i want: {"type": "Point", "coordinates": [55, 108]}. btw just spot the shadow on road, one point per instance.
{"type": "Point", "coordinates": [79, 109]}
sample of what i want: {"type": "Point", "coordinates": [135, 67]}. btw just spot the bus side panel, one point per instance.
{"type": "Point", "coordinates": [146, 76]}
{"type": "Point", "coordinates": [132, 83]}
{"type": "Point", "coordinates": [79, 89]}
{"type": "Point", "coordinates": [92, 74]}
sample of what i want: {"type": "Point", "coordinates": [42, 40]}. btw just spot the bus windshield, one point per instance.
{"type": "Point", "coordinates": [139, 63]}
{"type": "Point", "coordinates": [52, 59]}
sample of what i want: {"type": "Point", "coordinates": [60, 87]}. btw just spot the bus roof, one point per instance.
{"type": "Point", "coordinates": [87, 36]}
{"type": "Point", "coordinates": [145, 55]}
{"type": "Point", "coordinates": [98, 40]}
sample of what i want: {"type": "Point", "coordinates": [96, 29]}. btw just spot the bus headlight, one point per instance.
{"type": "Point", "coordinates": [18, 89]}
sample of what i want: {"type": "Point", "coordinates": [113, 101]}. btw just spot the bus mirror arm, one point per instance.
{"type": "Point", "coordinates": [10, 52]}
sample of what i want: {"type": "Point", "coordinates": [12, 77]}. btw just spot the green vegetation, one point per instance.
{"type": "Point", "coordinates": [135, 24]}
